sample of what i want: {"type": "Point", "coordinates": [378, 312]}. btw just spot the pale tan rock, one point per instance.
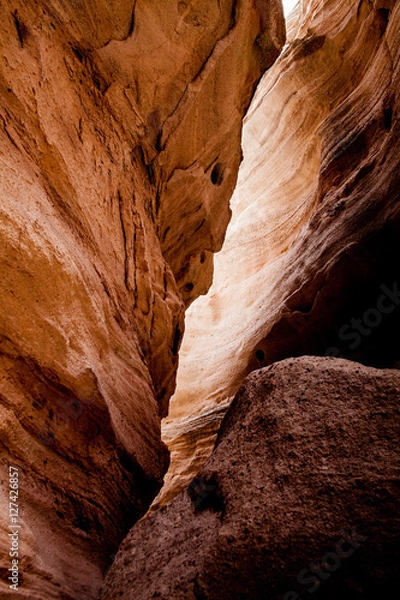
{"type": "Point", "coordinates": [315, 224]}
{"type": "Point", "coordinates": [315, 218]}
{"type": "Point", "coordinates": [189, 441]}
{"type": "Point", "coordinates": [111, 141]}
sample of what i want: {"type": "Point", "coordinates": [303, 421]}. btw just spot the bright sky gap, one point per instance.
{"type": "Point", "coordinates": [288, 6]}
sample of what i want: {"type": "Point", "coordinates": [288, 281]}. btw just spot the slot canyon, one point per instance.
{"type": "Point", "coordinates": [200, 300]}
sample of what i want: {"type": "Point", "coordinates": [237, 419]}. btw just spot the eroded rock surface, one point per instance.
{"type": "Point", "coordinates": [189, 441]}
{"type": "Point", "coordinates": [300, 494]}
{"type": "Point", "coordinates": [120, 142]}
{"type": "Point", "coordinates": [316, 222]}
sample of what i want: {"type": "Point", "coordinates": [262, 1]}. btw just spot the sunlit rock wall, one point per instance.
{"type": "Point", "coordinates": [315, 227]}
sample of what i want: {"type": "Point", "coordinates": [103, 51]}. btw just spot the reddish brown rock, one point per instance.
{"type": "Point", "coordinates": [300, 495]}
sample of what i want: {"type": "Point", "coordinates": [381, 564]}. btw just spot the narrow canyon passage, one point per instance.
{"type": "Point", "coordinates": [201, 183]}
{"type": "Point", "coordinates": [297, 497]}
{"type": "Point", "coordinates": [313, 234]}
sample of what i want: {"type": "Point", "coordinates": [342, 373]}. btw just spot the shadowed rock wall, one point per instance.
{"type": "Point", "coordinates": [120, 142]}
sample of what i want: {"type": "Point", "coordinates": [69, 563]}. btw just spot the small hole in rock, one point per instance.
{"type": "Point", "coordinates": [205, 493]}
{"type": "Point", "coordinates": [388, 117]}
{"type": "Point", "coordinates": [260, 355]}
{"type": "Point", "coordinates": [217, 174]}
{"type": "Point", "coordinates": [188, 287]}
{"type": "Point", "coordinates": [176, 341]}
{"type": "Point", "coordinates": [78, 53]}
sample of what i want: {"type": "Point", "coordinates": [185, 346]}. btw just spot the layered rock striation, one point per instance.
{"type": "Point", "coordinates": [309, 264]}
{"type": "Point", "coordinates": [120, 142]}
{"type": "Point", "coordinates": [189, 440]}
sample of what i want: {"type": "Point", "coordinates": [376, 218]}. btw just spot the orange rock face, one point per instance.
{"type": "Point", "coordinates": [120, 142]}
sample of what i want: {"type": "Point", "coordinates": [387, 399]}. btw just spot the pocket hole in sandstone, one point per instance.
{"type": "Point", "coordinates": [217, 174]}
{"type": "Point", "coordinates": [79, 54]}
{"type": "Point", "coordinates": [383, 17]}
{"type": "Point", "coordinates": [22, 31]}
{"type": "Point", "coordinates": [205, 493]}
{"type": "Point", "coordinates": [182, 6]}
{"type": "Point", "coordinates": [260, 355]}
{"type": "Point", "coordinates": [164, 235]}
{"type": "Point", "coordinates": [188, 287]}
{"type": "Point", "coordinates": [176, 341]}
{"type": "Point", "coordinates": [388, 117]}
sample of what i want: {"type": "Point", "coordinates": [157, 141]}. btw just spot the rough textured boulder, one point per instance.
{"type": "Point", "coordinates": [120, 142]}
{"type": "Point", "coordinates": [300, 495]}
{"type": "Point", "coordinates": [315, 216]}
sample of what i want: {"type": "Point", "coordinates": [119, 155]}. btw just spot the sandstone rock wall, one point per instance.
{"type": "Point", "coordinates": [315, 226]}
{"type": "Point", "coordinates": [120, 141]}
